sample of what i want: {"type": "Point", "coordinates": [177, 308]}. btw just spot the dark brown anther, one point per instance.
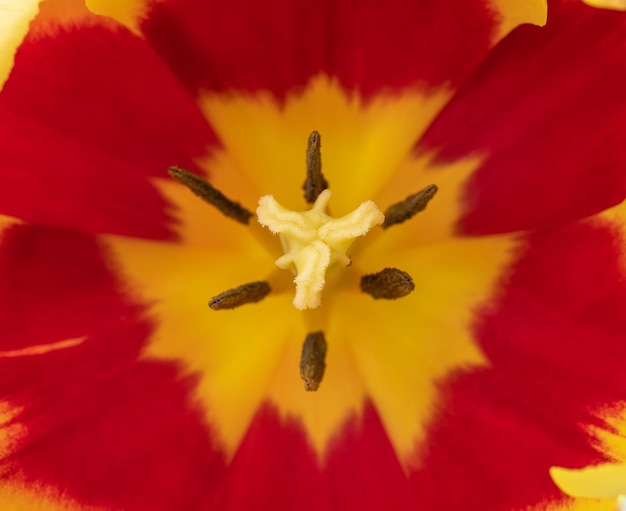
{"type": "Point", "coordinates": [315, 182]}
{"type": "Point", "coordinates": [312, 363]}
{"type": "Point", "coordinates": [406, 209]}
{"type": "Point", "coordinates": [388, 284]}
{"type": "Point", "coordinates": [247, 293]}
{"type": "Point", "coordinates": [211, 195]}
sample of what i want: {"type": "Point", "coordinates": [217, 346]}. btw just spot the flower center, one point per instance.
{"type": "Point", "coordinates": [313, 243]}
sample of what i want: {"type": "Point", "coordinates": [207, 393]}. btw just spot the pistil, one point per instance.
{"type": "Point", "coordinates": [312, 241]}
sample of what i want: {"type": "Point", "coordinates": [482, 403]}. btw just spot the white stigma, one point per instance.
{"type": "Point", "coordinates": [312, 241]}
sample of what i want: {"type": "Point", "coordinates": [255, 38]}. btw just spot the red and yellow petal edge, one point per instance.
{"type": "Point", "coordinates": [618, 5]}
{"type": "Point", "coordinates": [62, 392]}
{"type": "Point", "coordinates": [514, 13]}
{"type": "Point", "coordinates": [129, 12]}
{"type": "Point", "coordinates": [605, 481]}
{"type": "Point", "coordinates": [9, 432]}
{"type": "Point", "coordinates": [23, 497]}
{"type": "Point", "coordinates": [14, 20]}
{"type": "Point", "coordinates": [16, 495]}
{"type": "Point", "coordinates": [69, 71]}
{"type": "Point", "coordinates": [511, 13]}
{"type": "Point", "coordinates": [362, 145]}
{"type": "Point", "coordinates": [576, 505]}
{"type": "Point", "coordinates": [602, 486]}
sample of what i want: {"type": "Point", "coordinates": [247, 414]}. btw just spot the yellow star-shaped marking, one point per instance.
{"type": "Point", "coordinates": [312, 241]}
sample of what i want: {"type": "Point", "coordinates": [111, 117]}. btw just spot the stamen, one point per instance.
{"type": "Point", "coordinates": [409, 207]}
{"type": "Point", "coordinates": [388, 284]}
{"type": "Point", "coordinates": [312, 362]}
{"type": "Point", "coordinates": [315, 182]}
{"type": "Point", "coordinates": [247, 293]}
{"type": "Point", "coordinates": [211, 195]}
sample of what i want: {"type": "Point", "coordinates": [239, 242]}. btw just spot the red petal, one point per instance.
{"type": "Point", "coordinates": [102, 426]}
{"type": "Point", "coordinates": [278, 470]}
{"type": "Point", "coordinates": [547, 110]}
{"type": "Point", "coordinates": [55, 286]}
{"type": "Point", "coordinates": [555, 340]}
{"type": "Point", "coordinates": [50, 177]}
{"type": "Point", "coordinates": [369, 45]}
{"type": "Point", "coordinates": [88, 113]}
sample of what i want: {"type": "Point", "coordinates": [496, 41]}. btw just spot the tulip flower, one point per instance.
{"type": "Point", "coordinates": [309, 255]}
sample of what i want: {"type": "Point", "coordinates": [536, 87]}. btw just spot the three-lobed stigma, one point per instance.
{"type": "Point", "coordinates": [313, 241]}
